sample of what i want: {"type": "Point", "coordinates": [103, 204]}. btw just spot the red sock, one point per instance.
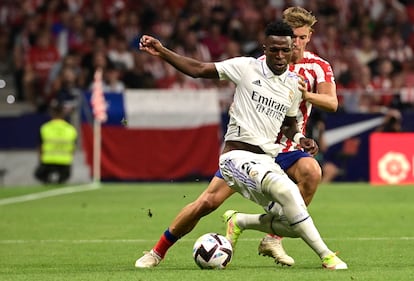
{"type": "Point", "coordinates": [274, 236]}
{"type": "Point", "coordinates": [165, 242]}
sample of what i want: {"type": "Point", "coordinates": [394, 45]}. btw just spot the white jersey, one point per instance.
{"type": "Point", "coordinates": [315, 70]}
{"type": "Point", "coordinates": [261, 101]}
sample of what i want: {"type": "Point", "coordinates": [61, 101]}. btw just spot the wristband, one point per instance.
{"type": "Point", "coordinates": [297, 137]}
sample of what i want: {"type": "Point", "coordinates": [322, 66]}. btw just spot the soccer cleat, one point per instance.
{"type": "Point", "coordinates": [272, 247]}
{"type": "Point", "coordinates": [233, 231]}
{"type": "Point", "coordinates": [333, 262]}
{"type": "Point", "coordinates": [148, 260]}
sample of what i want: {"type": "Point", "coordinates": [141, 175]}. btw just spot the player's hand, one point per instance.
{"type": "Point", "coordinates": [150, 45]}
{"type": "Point", "coordinates": [303, 86]}
{"type": "Point", "coordinates": [309, 145]}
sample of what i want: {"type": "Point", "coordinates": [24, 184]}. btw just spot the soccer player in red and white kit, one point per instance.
{"type": "Point", "coordinates": [300, 166]}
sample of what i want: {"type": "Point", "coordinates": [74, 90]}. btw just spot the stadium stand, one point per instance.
{"type": "Point", "coordinates": [369, 44]}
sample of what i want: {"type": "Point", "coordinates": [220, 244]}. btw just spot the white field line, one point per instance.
{"type": "Point", "coordinates": [49, 193]}
{"type": "Point", "coordinates": [101, 241]}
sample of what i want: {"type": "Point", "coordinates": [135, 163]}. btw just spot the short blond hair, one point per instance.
{"type": "Point", "coordinates": [297, 17]}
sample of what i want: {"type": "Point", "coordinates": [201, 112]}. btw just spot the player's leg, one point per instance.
{"type": "Point", "coordinates": [259, 179]}
{"type": "Point", "coordinates": [267, 223]}
{"type": "Point", "coordinates": [270, 223]}
{"type": "Point", "coordinates": [305, 171]}
{"type": "Point", "coordinates": [307, 174]}
{"type": "Point", "coordinates": [215, 194]}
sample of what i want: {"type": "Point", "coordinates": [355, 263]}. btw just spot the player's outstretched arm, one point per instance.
{"type": "Point", "coordinates": [186, 65]}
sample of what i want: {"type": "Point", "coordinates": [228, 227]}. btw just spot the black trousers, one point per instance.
{"type": "Point", "coordinates": [49, 173]}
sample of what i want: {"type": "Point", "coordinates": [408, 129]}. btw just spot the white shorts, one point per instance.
{"type": "Point", "coordinates": [244, 171]}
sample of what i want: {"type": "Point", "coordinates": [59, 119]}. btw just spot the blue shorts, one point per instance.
{"type": "Point", "coordinates": [285, 160]}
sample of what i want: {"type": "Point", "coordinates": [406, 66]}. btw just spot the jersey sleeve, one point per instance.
{"type": "Point", "coordinates": [324, 72]}
{"type": "Point", "coordinates": [232, 69]}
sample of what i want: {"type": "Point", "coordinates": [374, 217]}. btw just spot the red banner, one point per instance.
{"type": "Point", "coordinates": [391, 158]}
{"type": "Point", "coordinates": [139, 154]}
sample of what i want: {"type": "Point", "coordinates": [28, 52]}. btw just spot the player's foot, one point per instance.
{"type": "Point", "coordinates": [333, 262]}
{"type": "Point", "coordinates": [233, 231]}
{"type": "Point", "coordinates": [149, 259]}
{"type": "Point", "coordinates": [272, 247]}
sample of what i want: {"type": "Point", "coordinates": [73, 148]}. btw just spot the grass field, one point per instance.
{"type": "Point", "coordinates": [99, 233]}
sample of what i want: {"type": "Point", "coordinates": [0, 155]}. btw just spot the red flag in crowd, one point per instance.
{"type": "Point", "coordinates": [98, 100]}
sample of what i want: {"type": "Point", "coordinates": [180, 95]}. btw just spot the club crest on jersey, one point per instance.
{"type": "Point", "coordinates": [257, 82]}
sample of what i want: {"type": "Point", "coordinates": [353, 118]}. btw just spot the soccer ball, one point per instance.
{"type": "Point", "coordinates": [212, 251]}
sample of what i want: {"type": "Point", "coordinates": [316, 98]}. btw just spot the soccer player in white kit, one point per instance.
{"type": "Point", "coordinates": [266, 99]}
{"type": "Point", "coordinates": [304, 170]}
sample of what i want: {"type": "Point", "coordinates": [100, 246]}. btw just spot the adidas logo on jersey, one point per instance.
{"type": "Point", "coordinates": [257, 82]}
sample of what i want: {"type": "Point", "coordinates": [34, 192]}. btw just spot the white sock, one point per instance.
{"type": "Point", "coordinates": [260, 222]}
{"type": "Point", "coordinates": [283, 191]}
{"type": "Point", "coordinates": [308, 232]}
{"type": "Point", "coordinates": [270, 224]}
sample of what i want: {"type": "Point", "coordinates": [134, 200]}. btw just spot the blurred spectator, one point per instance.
{"type": "Point", "coordinates": [7, 71]}
{"type": "Point", "coordinates": [138, 77]}
{"type": "Point", "coordinates": [71, 60]}
{"type": "Point", "coordinates": [399, 51]}
{"type": "Point", "coordinates": [77, 32]}
{"type": "Point", "coordinates": [252, 36]}
{"type": "Point", "coordinates": [96, 59]}
{"type": "Point", "coordinates": [56, 149]}
{"type": "Point", "coordinates": [164, 24]}
{"type": "Point", "coordinates": [215, 41]}
{"type": "Point", "coordinates": [366, 51]}
{"type": "Point", "coordinates": [106, 32]}
{"type": "Point", "coordinates": [65, 88]}
{"type": "Point", "coordinates": [383, 47]}
{"type": "Point", "coordinates": [403, 96]}
{"type": "Point", "coordinates": [112, 82]}
{"type": "Point", "coordinates": [232, 50]}
{"type": "Point", "coordinates": [24, 39]}
{"type": "Point", "coordinates": [392, 122]}
{"type": "Point", "coordinates": [383, 82]}
{"type": "Point", "coordinates": [358, 94]}
{"type": "Point", "coordinates": [128, 26]}
{"type": "Point", "coordinates": [39, 61]}
{"type": "Point", "coordinates": [98, 16]}
{"type": "Point", "coordinates": [60, 30]}
{"type": "Point", "coordinates": [387, 12]}
{"type": "Point", "coordinates": [328, 44]}
{"type": "Point", "coordinates": [191, 47]}
{"type": "Point", "coordinates": [120, 55]}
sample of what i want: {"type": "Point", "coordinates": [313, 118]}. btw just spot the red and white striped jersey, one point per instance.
{"type": "Point", "coordinates": [315, 70]}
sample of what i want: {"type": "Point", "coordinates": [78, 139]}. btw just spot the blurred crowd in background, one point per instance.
{"type": "Point", "coordinates": [49, 49]}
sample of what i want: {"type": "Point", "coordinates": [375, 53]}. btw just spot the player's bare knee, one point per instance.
{"type": "Point", "coordinates": [309, 184]}
{"type": "Point", "coordinates": [309, 173]}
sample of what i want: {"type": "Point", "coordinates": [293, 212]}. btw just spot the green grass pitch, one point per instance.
{"type": "Point", "coordinates": [98, 234]}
